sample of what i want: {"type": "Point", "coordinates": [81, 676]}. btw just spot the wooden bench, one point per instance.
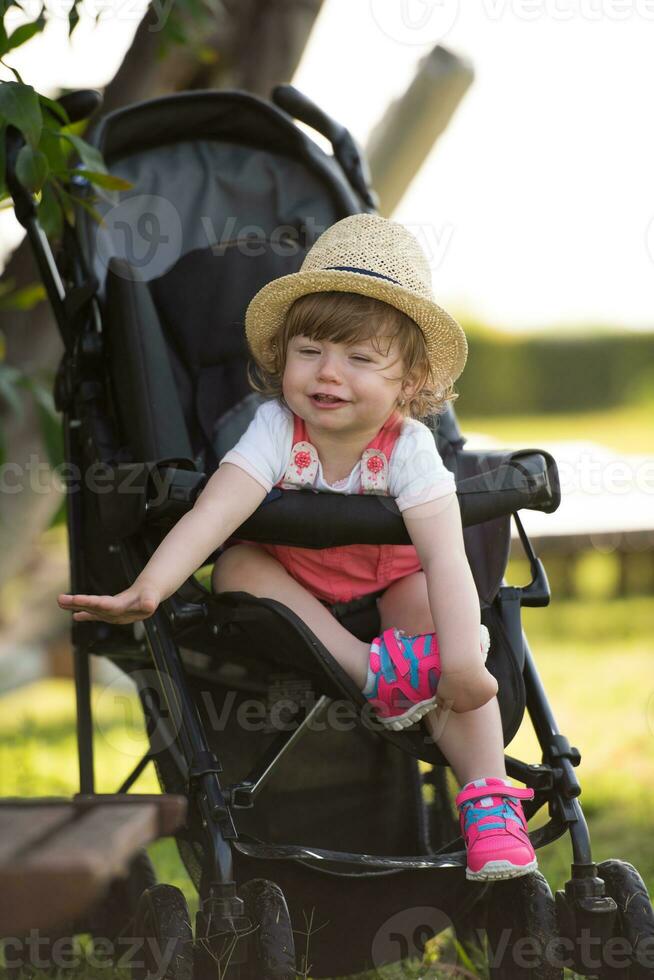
{"type": "Point", "coordinates": [58, 855]}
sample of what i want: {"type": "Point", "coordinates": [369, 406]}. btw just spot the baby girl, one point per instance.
{"type": "Point", "coordinates": [352, 351]}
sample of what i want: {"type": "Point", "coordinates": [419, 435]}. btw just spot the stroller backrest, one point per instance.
{"type": "Point", "coordinates": [228, 193]}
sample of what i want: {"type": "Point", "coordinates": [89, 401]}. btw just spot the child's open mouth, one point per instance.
{"type": "Point", "coordinates": [328, 401]}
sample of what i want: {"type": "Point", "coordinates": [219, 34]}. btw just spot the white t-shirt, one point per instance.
{"type": "Point", "coordinates": [416, 472]}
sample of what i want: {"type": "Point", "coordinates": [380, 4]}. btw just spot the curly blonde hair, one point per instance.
{"type": "Point", "coordinates": [346, 318]}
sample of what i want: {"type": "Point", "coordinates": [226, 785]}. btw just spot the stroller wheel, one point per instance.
{"type": "Point", "coordinates": [270, 952]}
{"type": "Point", "coordinates": [521, 928]}
{"type": "Point", "coordinates": [633, 957]}
{"type": "Point", "coordinates": [163, 923]}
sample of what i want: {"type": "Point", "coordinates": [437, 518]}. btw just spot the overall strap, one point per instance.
{"type": "Point", "coordinates": [376, 456]}
{"type": "Point", "coordinates": [302, 465]}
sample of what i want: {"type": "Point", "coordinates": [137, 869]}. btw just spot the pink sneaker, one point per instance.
{"type": "Point", "coordinates": [403, 675]}
{"type": "Point", "coordinates": [495, 830]}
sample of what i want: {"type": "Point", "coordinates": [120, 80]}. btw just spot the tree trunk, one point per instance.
{"type": "Point", "coordinates": [407, 132]}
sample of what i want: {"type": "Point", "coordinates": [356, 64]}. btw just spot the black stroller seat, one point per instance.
{"type": "Point", "coordinates": [248, 714]}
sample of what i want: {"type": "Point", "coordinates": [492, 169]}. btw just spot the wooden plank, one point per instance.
{"type": "Point", "coordinates": [60, 877]}
{"type": "Point", "coordinates": [171, 809]}
{"type": "Point", "coordinates": [101, 839]}
{"type": "Point", "coordinates": [24, 826]}
{"type": "Point", "coordinates": [58, 856]}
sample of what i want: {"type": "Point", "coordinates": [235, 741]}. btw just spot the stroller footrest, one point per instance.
{"type": "Point", "coordinates": [297, 852]}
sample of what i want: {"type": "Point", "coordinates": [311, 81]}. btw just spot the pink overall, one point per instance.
{"type": "Point", "coordinates": [347, 572]}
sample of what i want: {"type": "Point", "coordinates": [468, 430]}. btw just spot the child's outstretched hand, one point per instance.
{"type": "Point", "coordinates": [135, 603]}
{"type": "Point", "coordinates": [467, 689]}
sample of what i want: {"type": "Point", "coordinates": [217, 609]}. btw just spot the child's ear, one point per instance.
{"type": "Point", "coordinates": [410, 386]}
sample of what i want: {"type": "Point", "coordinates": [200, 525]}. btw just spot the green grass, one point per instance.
{"type": "Point", "coordinates": [595, 660]}
{"type": "Point", "coordinates": [627, 429]}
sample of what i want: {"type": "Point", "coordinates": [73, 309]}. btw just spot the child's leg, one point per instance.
{"type": "Point", "coordinates": [493, 823]}
{"type": "Point", "coordinates": [248, 568]}
{"type": "Point", "coordinates": [472, 742]}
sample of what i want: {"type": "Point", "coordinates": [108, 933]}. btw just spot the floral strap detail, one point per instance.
{"type": "Point", "coordinates": [374, 471]}
{"type": "Point", "coordinates": [302, 467]}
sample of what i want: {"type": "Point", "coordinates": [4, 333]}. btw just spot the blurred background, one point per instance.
{"type": "Point", "coordinates": [512, 138]}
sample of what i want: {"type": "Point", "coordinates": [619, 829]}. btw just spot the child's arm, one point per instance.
{"type": "Point", "coordinates": [228, 499]}
{"type": "Point", "coordinates": [436, 531]}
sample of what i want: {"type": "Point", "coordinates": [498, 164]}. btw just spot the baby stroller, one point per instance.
{"type": "Point", "coordinates": [304, 818]}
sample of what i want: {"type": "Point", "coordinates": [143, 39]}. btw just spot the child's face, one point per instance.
{"type": "Point", "coordinates": [349, 388]}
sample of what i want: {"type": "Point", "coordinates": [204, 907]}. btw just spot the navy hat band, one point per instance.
{"type": "Point", "coordinates": [366, 272]}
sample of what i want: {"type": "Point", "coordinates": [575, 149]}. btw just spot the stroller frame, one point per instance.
{"type": "Point", "coordinates": [521, 479]}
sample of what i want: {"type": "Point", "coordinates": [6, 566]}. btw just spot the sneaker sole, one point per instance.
{"type": "Point", "coordinates": [410, 717]}
{"type": "Point", "coordinates": [498, 870]}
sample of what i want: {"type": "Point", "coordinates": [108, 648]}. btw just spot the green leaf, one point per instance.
{"type": "Point", "coordinates": [50, 419]}
{"type": "Point", "coordinates": [50, 214]}
{"type": "Point", "coordinates": [25, 298]}
{"type": "Point", "coordinates": [172, 33]}
{"type": "Point", "coordinates": [32, 168]}
{"type": "Point", "coordinates": [19, 105]}
{"type": "Point", "coordinates": [207, 55]}
{"type": "Point", "coordinates": [60, 516]}
{"type": "Point", "coordinates": [64, 201]}
{"type": "Point", "coordinates": [73, 17]}
{"type": "Point", "coordinates": [75, 199]}
{"type": "Point", "coordinates": [13, 70]}
{"type": "Point", "coordinates": [24, 33]}
{"type": "Point", "coordinates": [10, 379]}
{"type": "Point", "coordinates": [105, 180]}
{"type": "Point", "coordinates": [88, 154]}
{"type": "Point", "coordinates": [56, 149]}
{"type": "Point", "coordinates": [56, 108]}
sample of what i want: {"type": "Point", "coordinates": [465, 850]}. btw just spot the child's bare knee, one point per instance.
{"type": "Point", "coordinates": [235, 567]}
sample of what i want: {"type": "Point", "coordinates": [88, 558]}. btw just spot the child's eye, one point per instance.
{"type": "Point", "coordinates": [308, 350]}
{"type": "Point", "coordinates": [362, 357]}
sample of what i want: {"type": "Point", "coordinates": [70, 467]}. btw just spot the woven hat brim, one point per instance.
{"type": "Point", "coordinates": [446, 343]}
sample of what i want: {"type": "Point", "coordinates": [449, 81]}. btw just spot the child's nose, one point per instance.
{"type": "Point", "coordinates": [329, 367]}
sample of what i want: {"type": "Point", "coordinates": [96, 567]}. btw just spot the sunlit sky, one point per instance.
{"type": "Point", "coordinates": [541, 191]}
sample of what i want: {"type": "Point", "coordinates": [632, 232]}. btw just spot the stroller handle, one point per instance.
{"type": "Point", "coordinates": [346, 151]}
{"type": "Point", "coordinates": [81, 104]}
{"type": "Point", "coordinates": [298, 105]}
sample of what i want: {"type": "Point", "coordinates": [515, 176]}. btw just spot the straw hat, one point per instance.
{"type": "Point", "coordinates": [371, 255]}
